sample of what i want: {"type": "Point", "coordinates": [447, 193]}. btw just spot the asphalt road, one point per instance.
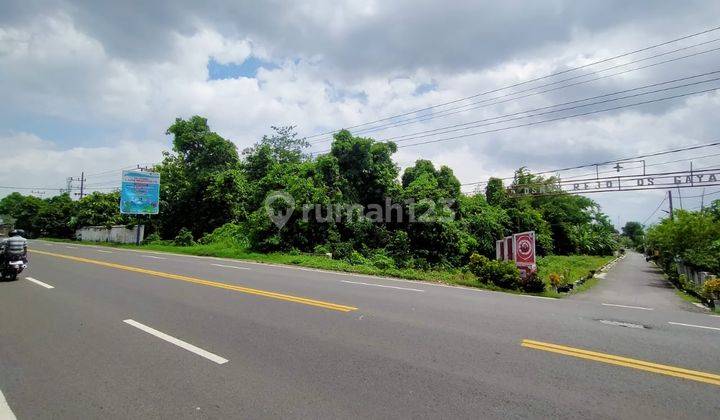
{"type": "Point", "coordinates": [125, 334]}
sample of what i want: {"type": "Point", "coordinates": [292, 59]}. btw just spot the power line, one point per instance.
{"type": "Point", "coordinates": [655, 211]}
{"type": "Point", "coordinates": [444, 113]}
{"type": "Point", "coordinates": [560, 118]}
{"type": "Point", "coordinates": [551, 119]}
{"type": "Point", "coordinates": [524, 82]}
{"type": "Point", "coordinates": [473, 124]}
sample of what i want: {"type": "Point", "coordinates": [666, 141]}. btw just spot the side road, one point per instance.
{"type": "Point", "coordinates": [635, 282]}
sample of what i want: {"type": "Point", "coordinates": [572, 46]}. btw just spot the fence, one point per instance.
{"type": "Point", "coordinates": [119, 234]}
{"type": "Point", "coordinates": [698, 278]}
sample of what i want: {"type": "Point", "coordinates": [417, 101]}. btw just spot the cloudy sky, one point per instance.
{"type": "Point", "coordinates": [92, 85]}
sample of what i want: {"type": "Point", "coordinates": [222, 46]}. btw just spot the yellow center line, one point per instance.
{"type": "Point", "coordinates": [693, 375]}
{"type": "Point", "coordinates": [265, 293]}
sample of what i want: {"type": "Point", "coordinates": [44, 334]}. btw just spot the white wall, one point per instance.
{"type": "Point", "coordinates": [119, 234]}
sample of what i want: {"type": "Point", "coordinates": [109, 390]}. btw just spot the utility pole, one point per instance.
{"type": "Point", "coordinates": [680, 195]}
{"type": "Point", "coordinates": [82, 184]}
{"type": "Point", "coordinates": [702, 200]}
{"type": "Point", "coordinates": [82, 180]}
{"type": "Point", "coordinates": [671, 205]}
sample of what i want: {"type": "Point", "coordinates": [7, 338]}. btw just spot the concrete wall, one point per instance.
{"type": "Point", "coordinates": [119, 234]}
{"type": "Point", "coordinates": [697, 277]}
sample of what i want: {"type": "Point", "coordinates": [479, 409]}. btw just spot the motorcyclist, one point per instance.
{"type": "Point", "coordinates": [15, 244]}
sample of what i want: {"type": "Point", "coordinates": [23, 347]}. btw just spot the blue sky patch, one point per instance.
{"type": "Point", "coordinates": [248, 68]}
{"type": "Point", "coordinates": [425, 87]}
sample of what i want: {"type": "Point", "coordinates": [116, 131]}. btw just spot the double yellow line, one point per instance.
{"type": "Point", "coordinates": [693, 375]}
{"type": "Point", "coordinates": [257, 292]}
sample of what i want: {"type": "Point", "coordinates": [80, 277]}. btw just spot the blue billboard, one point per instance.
{"type": "Point", "coordinates": [140, 193]}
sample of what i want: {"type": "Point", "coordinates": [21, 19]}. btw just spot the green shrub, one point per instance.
{"type": "Point", "coordinates": [382, 261]}
{"type": "Point", "coordinates": [321, 250]}
{"type": "Point", "coordinates": [500, 273]}
{"type": "Point", "coordinates": [152, 238]}
{"type": "Point", "coordinates": [230, 234]}
{"type": "Point", "coordinates": [685, 283]}
{"type": "Point", "coordinates": [503, 274]}
{"type": "Point", "coordinates": [477, 264]}
{"type": "Point", "coordinates": [532, 283]}
{"type": "Point", "coordinates": [399, 250]}
{"type": "Point", "coordinates": [357, 258]}
{"type": "Point", "coordinates": [341, 250]}
{"type": "Point", "coordinates": [184, 238]}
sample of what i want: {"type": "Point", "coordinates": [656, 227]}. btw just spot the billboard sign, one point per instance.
{"type": "Point", "coordinates": [524, 249]}
{"type": "Point", "coordinates": [140, 192]}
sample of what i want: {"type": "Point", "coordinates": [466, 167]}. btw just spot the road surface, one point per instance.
{"type": "Point", "coordinates": [634, 282]}
{"type": "Point", "coordinates": [93, 332]}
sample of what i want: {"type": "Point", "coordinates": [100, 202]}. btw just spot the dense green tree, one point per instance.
{"type": "Point", "coordinates": [346, 202]}
{"type": "Point", "coordinates": [635, 232]}
{"type": "Point", "coordinates": [100, 209]}
{"type": "Point", "coordinates": [495, 192]}
{"type": "Point", "coordinates": [200, 181]}
{"type": "Point", "coordinates": [24, 209]}
{"type": "Point", "coordinates": [366, 166]}
{"type": "Point", "coordinates": [694, 237]}
{"type": "Point", "coordinates": [55, 218]}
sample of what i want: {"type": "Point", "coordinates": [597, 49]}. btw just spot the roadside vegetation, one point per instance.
{"type": "Point", "coordinates": [691, 238]}
{"type": "Point", "coordinates": [214, 201]}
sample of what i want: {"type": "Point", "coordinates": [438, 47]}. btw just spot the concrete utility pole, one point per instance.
{"type": "Point", "coordinates": [671, 205]}
{"type": "Point", "coordinates": [82, 180]}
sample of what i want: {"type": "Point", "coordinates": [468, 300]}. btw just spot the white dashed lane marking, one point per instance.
{"type": "Point", "coordinates": [628, 306]}
{"type": "Point", "coordinates": [382, 285]}
{"type": "Point", "coordinates": [39, 283]}
{"type": "Point", "coordinates": [694, 326]}
{"type": "Point", "coordinates": [182, 344]}
{"type": "Point", "coordinates": [230, 266]}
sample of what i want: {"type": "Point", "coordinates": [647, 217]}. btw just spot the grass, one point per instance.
{"type": "Point", "coordinates": [573, 267]}
{"type": "Point", "coordinates": [686, 297]}
{"type": "Point", "coordinates": [579, 266]}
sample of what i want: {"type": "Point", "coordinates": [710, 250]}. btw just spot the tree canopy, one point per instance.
{"type": "Point", "coordinates": [347, 202]}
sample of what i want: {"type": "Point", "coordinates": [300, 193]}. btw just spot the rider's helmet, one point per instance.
{"type": "Point", "coordinates": [17, 232]}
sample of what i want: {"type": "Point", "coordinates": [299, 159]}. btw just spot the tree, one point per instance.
{"type": "Point", "coordinates": [635, 232]}
{"type": "Point", "coordinates": [24, 209]}
{"type": "Point", "coordinates": [201, 183]}
{"type": "Point", "coordinates": [367, 168]}
{"type": "Point", "coordinates": [54, 219]}
{"type": "Point", "coordinates": [495, 192]}
{"type": "Point", "coordinates": [100, 209]}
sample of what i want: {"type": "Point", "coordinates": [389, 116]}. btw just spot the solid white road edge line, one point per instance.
{"type": "Point", "coordinates": [382, 285]}
{"type": "Point", "coordinates": [627, 306]}
{"type": "Point", "coordinates": [153, 257]}
{"type": "Point", "coordinates": [103, 251]}
{"type": "Point", "coordinates": [38, 282]}
{"type": "Point", "coordinates": [5, 411]}
{"type": "Point", "coordinates": [694, 326]}
{"type": "Point", "coordinates": [71, 247]}
{"type": "Point", "coordinates": [182, 344]}
{"type": "Point", "coordinates": [230, 266]}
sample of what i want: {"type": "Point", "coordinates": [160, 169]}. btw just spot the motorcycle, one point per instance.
{"type": "Point", "coordinates": [12, 266]}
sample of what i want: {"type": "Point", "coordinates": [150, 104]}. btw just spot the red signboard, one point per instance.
{"type": "Point", "coordinates": [524, 249]}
